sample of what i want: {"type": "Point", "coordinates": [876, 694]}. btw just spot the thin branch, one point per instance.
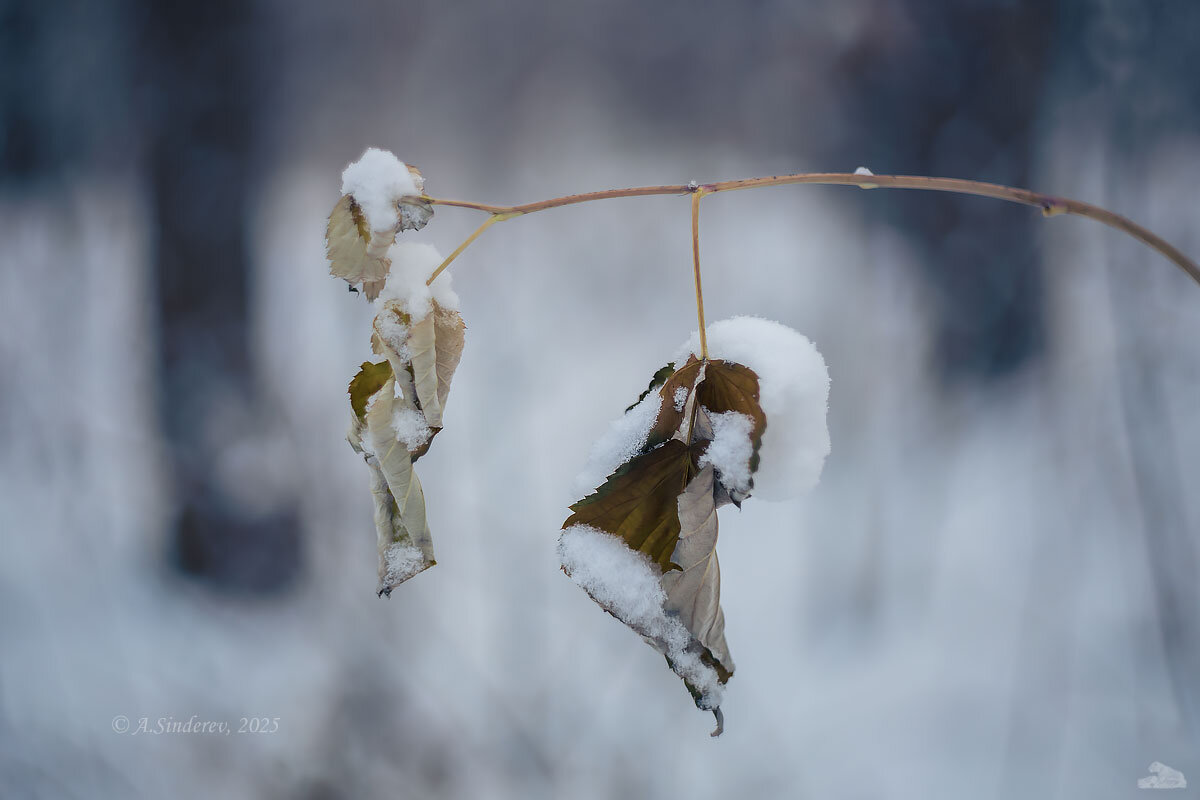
{"type": "Point", "coordinates": [487, 223]}
{"type": "Point", "coordinates": [696, 195]}
{"type": "Point", "coordinates": [1049, 204]}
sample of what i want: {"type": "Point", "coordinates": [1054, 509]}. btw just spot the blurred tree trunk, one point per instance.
{"type": "Point", "coordinates": [954, 89]}
{"type": "Point", "coordinates": [200, 68]}
{"type": "Point", "coordinates": [1140, 59]}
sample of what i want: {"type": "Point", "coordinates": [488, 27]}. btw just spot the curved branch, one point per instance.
{"type": "Point", "coordinates": [1049, 204]}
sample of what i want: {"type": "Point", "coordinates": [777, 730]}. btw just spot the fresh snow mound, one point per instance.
{"type": "Point", "coordinates": [411, 428]}
{"type": "Point", "coordinates": [793, 391]}
{"type": "Point", "coordinates": [394, 333]}
{"type": "Point", "coordinates": [377, 181]}
{"type": "Point", "coordinates": [626, 583]}
{"type": "Point", "coordinates": [730, 450]}
{"type": "Point", "coordinates": [402, 561]}
{"type": "Point", "coordinates": [412, 264]}
{"type": "Point", "coordinates": [621, 442]}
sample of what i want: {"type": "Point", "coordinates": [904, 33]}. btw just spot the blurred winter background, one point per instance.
{"type": "Point", "coordinates": [992, 593]}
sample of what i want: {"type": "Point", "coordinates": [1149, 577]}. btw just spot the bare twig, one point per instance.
{"type": "Point", "coordinates": [696, 195]}
{"type": "Point", "coordinates": [1049, 204]}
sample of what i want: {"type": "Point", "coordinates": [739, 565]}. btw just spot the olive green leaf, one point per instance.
{"type": "Point", "coordinates": [656, 382]}
{"type": "Point", "coordinates": [638, 502]}
{"type": "Point", "coordinates": [367, 382]}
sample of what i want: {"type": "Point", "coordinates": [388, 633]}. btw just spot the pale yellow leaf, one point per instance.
{"type": "Point", "coordinates": [405, 543]}
{"type": "Point", "coordinates": [356, 254]}
{"type": "Point", "coordinates": [435, 345]}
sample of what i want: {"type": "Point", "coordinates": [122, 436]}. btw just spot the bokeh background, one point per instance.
{"type": "Point", "coordinates": [992, 593]}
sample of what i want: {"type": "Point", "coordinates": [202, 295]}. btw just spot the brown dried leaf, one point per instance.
{"type": "Point", "coordinates": [694, 590]}
{"type": "Point", "coordinates": [662, 504]}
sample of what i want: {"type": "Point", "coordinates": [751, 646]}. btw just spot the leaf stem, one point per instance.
{"type": "Point", "coordinates": [696, 195]}
{"type": "Point", "coordinates": [487, 223]}
{"type": "Point", "coordinates": [1049, 204]}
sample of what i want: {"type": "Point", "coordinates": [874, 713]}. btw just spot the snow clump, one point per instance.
{"type": "Point", "coordinates": [626, 583]}
{"type": "Point", "coordinates": [377, 181]}
{"type": "Point", "coordinates": [412, 264]}
{"type": "Point", "coordinates": [793, 387]}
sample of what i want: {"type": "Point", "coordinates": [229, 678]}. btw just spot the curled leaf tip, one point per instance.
{"type": "Point", "coordinates": [720, 722]}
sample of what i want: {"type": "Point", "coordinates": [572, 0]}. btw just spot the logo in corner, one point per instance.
{"type": "Point", "coordinates": [1162, 777]}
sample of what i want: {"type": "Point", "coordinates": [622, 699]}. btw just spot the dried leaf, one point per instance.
{"type": "Point", "coordinates": [656, 381]}
{"type": "Point", "coordinates": [718, 386]}
{"type": "Point", "coordinates": [657, 505]}
{"type": "Point", "coordinates": [662, 504]}
{"type": "Point", "coordinates": [390, 332]}
{"type": "Point", "coordinates": [734, 387]}
{"type": "Point", "coordinates": [671, 416]}
{"type": "Point", "coordinates": [694, 590]}
{"type": "Point", "coordinates": [368, 381]}
{"type": "Point", "coordinates": [428, 351]}
{"type": "Point", "coordinates": [356, 254]}
{"type": "Point", "coordinates": [435, 345]}
{"type": "Point", "coordinates": [414, 214]}
{"type": "Point", "coordinates": [638, 502]}
{"type": "Point", "coordinates": [405, 543]}
{"type": "Point", "coordinates": [451, 337]}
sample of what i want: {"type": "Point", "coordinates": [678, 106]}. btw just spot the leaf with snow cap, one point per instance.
{"type": "Point", "coordinates": [719, 387]}
{"type": "Point", "coordinates": [662, 505]}
{"type": "Point", "coordinates": [424, 354]}
{"type": "Point", "coordinates": [793, 392]}
{"type": "Point", "coordinates": [405, 543]}
{"type": "Point", "coordinates": [659, 507]}
{"type": "Point", "coordinates": [627, 585]}
{"type": "Point", "coordinates": [381, 196]}
{"type": "Point", "coordinates": [390, 332]}
{"type": "Point", "coordinates": [357, 254]}
{"type": "Point", "coordinates": [382, 431]}
{"type": "Point", "coordinates": [729, 400]}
